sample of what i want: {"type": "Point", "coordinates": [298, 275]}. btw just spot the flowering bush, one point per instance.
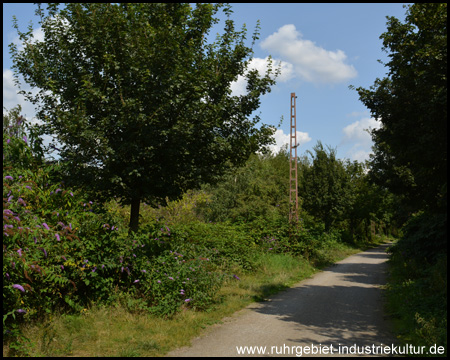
{"type": "Point", "coordinates": [43, 253]}
{"type": "Point", "coordinates": [172, 279]}
{"type": "Point", "coordinates": [63, 251]}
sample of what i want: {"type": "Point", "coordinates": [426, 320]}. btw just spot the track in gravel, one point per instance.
{"type": "Point", "coordinates": [340, 306]}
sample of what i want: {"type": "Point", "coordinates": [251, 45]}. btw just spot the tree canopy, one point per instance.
{"type": "Point", "coordinates": [139, 100]}
{"type": "Point", "coordinates": [410, 152]}
{"type": "Point", "coordinates": [325, 186]}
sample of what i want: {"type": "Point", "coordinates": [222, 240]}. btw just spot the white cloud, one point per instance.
{"type": "Point", "coordinates": [9, 90]}
{"type": "Point", "coordinates": [357, 135]}
{"type": "Point", "coordinates": [282, 139]}
{"type": "Point", "coordinates": [38, 35]}
{"type": "Point", "coordinates": [310, 62]}
{"type": "Point", "coordinates": [11, 98]}
{"type": "Point", "coordinates": [358, 131]}
{"type": "Point", "coordinates": [238, 87]}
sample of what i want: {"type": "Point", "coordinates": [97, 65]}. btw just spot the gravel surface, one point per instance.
{"type": "Point", "coordinates": [337, 310]}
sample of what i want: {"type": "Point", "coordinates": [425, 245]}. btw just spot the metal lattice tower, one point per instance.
{"type": "Point", "coordinates": [293, 182]}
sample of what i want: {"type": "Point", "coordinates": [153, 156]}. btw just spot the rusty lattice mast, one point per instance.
{"type": "Point", "coordinates": [293, 182]}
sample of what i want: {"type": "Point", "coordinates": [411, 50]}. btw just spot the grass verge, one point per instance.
{"type": "Point", "coordinates": [417, 301]}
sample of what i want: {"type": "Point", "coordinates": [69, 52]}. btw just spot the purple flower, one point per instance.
{"type": "Point", "coordinates": [19, 252]}
{"type": "Point", "coordinates": [45, 226]}
{"type": "Point", "coordinates": [236, 277]}
{"type": "Point", "coordinates": [64, 257]}
{"type": "Point", "coordinates": [7, 177]}
{"type": "Point", "coordinates": [95, 268]}
{"type": "Point", "coordinates": [25, 139]}
{"type": "Point", "coordinates": [187, 300]}
{"type": "Point", "coordinates": [21, 201]}
{"type": "Point", "coordinates": [57, 237]}
{"type": "Point", "coordinates": [103, 266]}
{"type": "Point", "coordinates": [21, 311]}
{"type": "Point", "coordinates": [19, 287]}
{"type": "Point", "coordinates": [62, 267]}
{"type": "Point", "coordinates": [159, 281]}
{"type": "Point", "coordinates": [135, 281]}
{"type": "Point", "coordinates": [45, 252]}
{"type": "Point", "coordinates": [170, 278]}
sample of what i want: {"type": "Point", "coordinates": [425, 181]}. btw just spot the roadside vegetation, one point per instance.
{"type": "Point", "coordinates": [410, 159]}
{"type": "Point", "coordinates": [69, 263]}
{"type": "Point", "coordinates": [105, 261]}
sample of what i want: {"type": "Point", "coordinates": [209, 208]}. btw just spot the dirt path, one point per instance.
{"type": "Point", "coordinates": [340, 306]}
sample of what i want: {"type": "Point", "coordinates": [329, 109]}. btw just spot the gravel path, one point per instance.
{"type": "Point", "coordinates": [339, 307]}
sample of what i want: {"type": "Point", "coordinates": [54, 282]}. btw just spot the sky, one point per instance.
{"type": "Point", "coordinates": [322, 49]}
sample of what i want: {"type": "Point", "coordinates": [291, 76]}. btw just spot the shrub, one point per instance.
{"type": "Point", "coordinates": [425, 237]}
{"type": "Point", "coordinates": [62, 251]}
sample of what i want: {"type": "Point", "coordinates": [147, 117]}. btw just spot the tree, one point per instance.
{"type": "Point", "coordinates": [370, 204]}
{"type": "Point", "coordinates": [257, 190]}
{"type": "Point", "coordinates": [138, 98]}
{"type": "Point", "coordinates": [17, 126]}
{"type": "Point", "coordinates": [325, 186]}
{"type": "Point", "coordinates": [13, 122]}
{"type": "Point", "coordinates": [410, 151]}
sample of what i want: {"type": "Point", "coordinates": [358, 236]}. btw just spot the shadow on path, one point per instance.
{"type": "Point", "coordinates": [341, 305]}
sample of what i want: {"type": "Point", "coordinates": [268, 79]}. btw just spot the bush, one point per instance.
{"type": "Point", "coordinates": [55, 244]}
{"type": "Point", "coordinates": [425, 237]}
{"type": "Point", "coordinates": [417, 299]}
{"type": "Point", "coordinates": [64, 252]}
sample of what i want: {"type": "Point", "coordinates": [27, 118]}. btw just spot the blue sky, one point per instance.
{"type": "Point", "coordinates": [323, 48]}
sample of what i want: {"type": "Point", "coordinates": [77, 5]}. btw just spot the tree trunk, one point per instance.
{"type": "Point", "coordinates": [134, 215]}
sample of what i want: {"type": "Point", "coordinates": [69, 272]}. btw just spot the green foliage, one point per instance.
{"type": "Point", "coordinates": [256, 190]}
{"type": "Point", "coordinates": [325, 186]}
{"type": "Point", "coordinates": [333, 194]}
{"type": "Point", "coordinates": [67, 252]}
{"type": "Point", "coordinates": [417, 298]}
{"type": "Point", "coordinates": [64, 252]}
{"type": "Point", "coordinates": [411, 103]}
{"type": "Point", "coordinates": [410, 159]}
{"type": "Point", "coordinates": [424, 237]}
{"type": "Point", "coordinates": [131, 123]}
